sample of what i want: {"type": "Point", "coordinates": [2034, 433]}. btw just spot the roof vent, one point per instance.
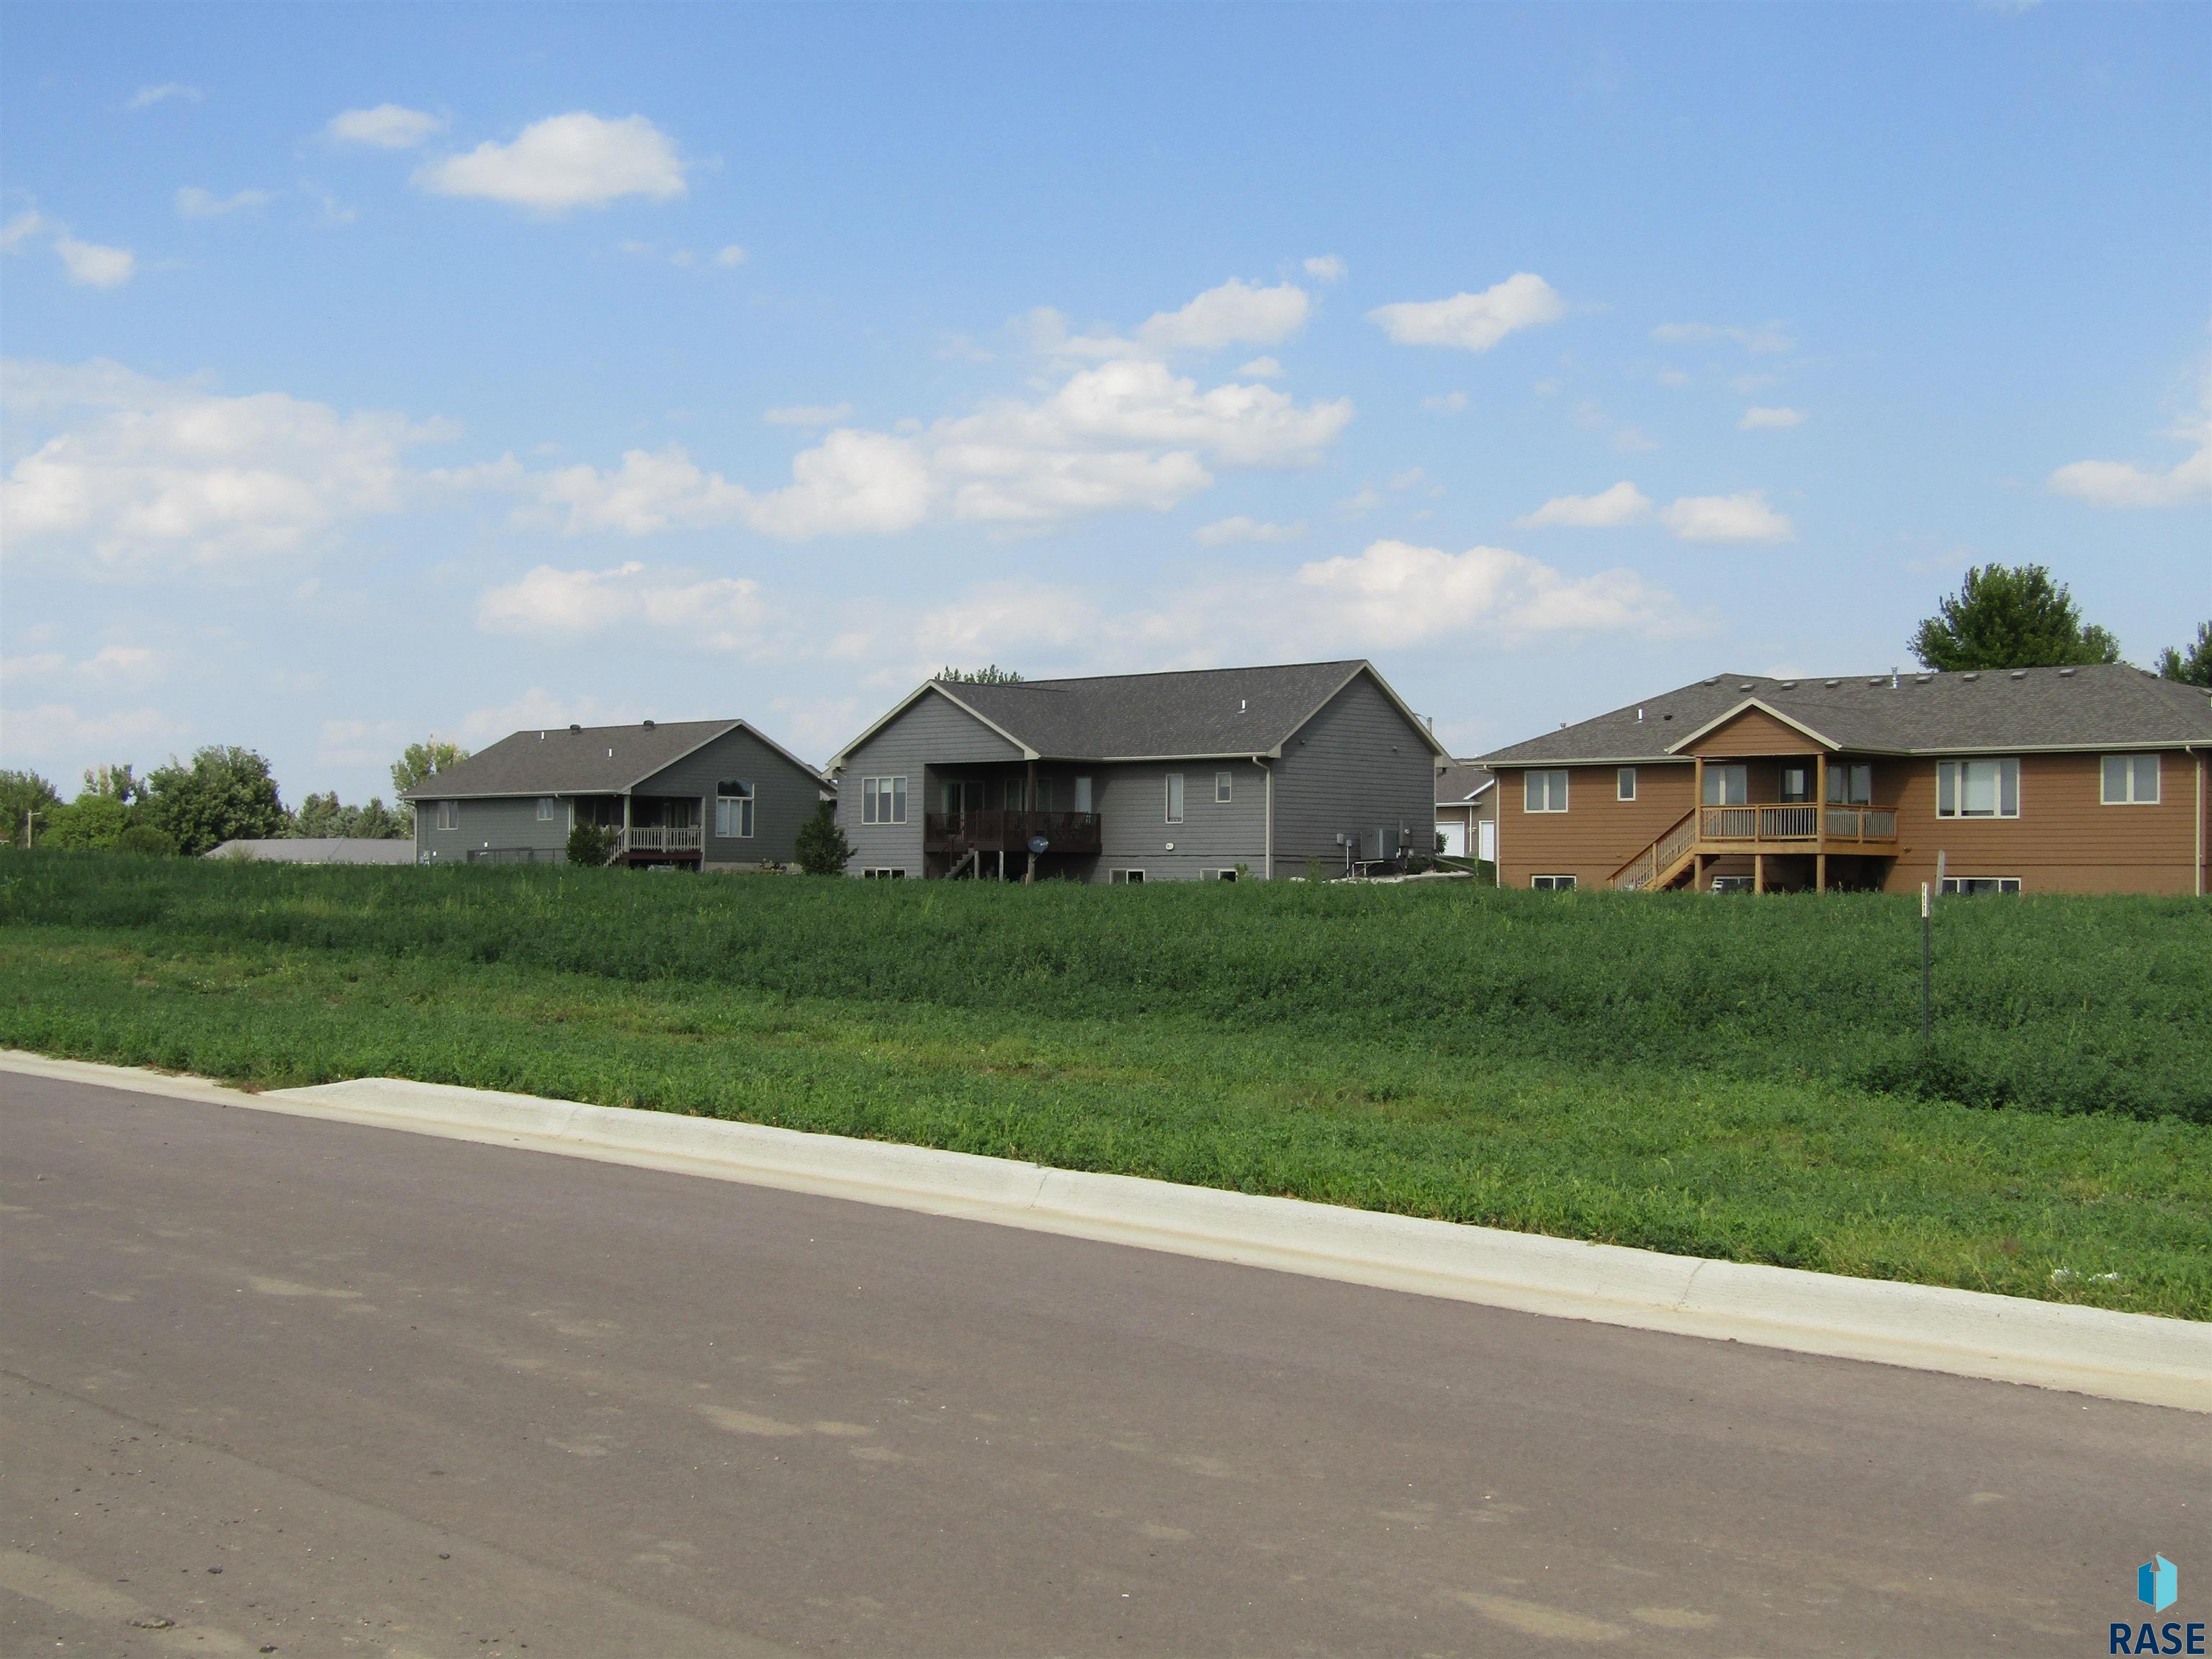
{"type": "Point", "coordinates": [2019, 673]}
{"type": "Point", "coordinates": [1716, 680]}
{"type": "Point", "coordinates": [1789, 685]}
{"type": "Point", "coordinates": [574, 727]}
{"type": "Point", "coordinates": [611, 754]}
{"type": "Point", "coordinates": [1745, 686]}
{"type": "Point", "coordinates": [1240, 705]}
{"type": "Point", "coordinates": [1975, 675]}
{"type": "Point", "coordinates": [541, 737]}
{"type": "Point", "coordinates": [1639, 712]}
{"type": "Point", "coordinates": [648, 726]}
{"type": "Point", "coordinates": [1921, 679]}
{"type": "Point", "coordinates": [1876, 680]}
{"type": "Point", "coordinates": [1832, 685]}
{"type": "Point", "coordinates": [2065, 673]}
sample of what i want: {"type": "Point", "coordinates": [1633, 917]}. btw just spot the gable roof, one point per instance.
{"type": "Point", "coordinates": [2095, 705]}
{"type": "Point", "coordinates": [587, 759]}
{"type": "Point", "coordinates": [1197, 713]}
{"type": "Point", "coordinates": [1459, 782]}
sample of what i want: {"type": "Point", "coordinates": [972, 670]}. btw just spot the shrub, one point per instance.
{"type": "Point", "coordinates": [589, 844]}
{"type": "Point", "coordinates": [822, 848]}
{"type": "Point", "coordinates": [145, 841]}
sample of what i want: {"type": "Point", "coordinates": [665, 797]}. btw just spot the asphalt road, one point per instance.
{"type": "Point", "coordinates": [308, 1387]}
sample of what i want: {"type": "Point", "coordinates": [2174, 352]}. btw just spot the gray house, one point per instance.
{"type": "Point", "coordinates": [1142, 777]}
{"type": "Point", "coordinates": [693, 794]}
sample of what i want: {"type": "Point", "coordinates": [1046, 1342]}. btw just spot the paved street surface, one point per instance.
{"type": "Point", "coordinates": [308, 1387]}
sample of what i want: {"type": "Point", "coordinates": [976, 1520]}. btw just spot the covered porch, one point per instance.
{"type": "Point", "coordinates": [647, 828]}
{"type": "Point", "coordinates": [983, 822]}
{"type": "Point", "coordinates": [1772, 823]}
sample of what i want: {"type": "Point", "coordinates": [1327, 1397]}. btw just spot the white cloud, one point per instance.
{"type": "Point", "coordinates": [66, 740]}
{"type": "Point", "coordinates": [1473, 322]}
{"type": "Point", "coordinates": [564, 161]}
{"type": "Point", "coordinates": [387, 126]}
{"type": "Point", "coordinates": [146, 97]}
{"type": "Point", "coordinates": [1766, 337]}
{"type": "Point", "coordinates": [719, 614]}
{"type": "Point", "coordinates": [1450, 403]}
{"type": "Point", "coordinates": [1762, 420]}
{"type": "Point", "coordinates": [160, 472]}
{"type": "Point", "coordinates": [92, 265]}
{"type": "Point", "coordinates": [732, 255]}
{"type": "Point", "coordinates": [1394, 593]}
{"type": "Point", "coordinates": [359, 743]}
{"type": "Point", "coordinates": [1260, 368]}
{"type": "Point", "coordinates": [1629, 441]}
{"type": "Point", "coordinates": [19, 230]}
{"type": "Point", "coordinates": [542, 710]}
{"type": "Point", "coordinates": [808, 414]}
{"type": "Point", "coordinates": [1622, 504]}
{"type": "Point", "coordinates": [2122, 484]}
{"type": "Point", "coordinates": [1235, 314]}
{"type": "Point", "coordinates": [1325, 267]}
{"type": "Point", "coordinates": [193, 202]}
{"type": "Point", "coordinates": [1240, 528]}
{"type": "Point", "coordinates": [1740, 518]}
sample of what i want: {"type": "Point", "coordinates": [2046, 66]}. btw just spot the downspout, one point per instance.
{"type": "Point", "coordinates": [1267, 844]}
{"type": "Point", "coordinates": [2199, 753]}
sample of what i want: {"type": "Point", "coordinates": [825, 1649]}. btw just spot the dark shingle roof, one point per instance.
{"type": "Point", "coordinates": [2098, 706]}
{"type": "Point", "coordinates": [592, 760]}
{"type": "Point", "coordinates": [1458, 780]}
{"type": "Point", "coordinates": [1203, 712]}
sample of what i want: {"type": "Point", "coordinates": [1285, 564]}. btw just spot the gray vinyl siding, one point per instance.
{"type": "Point", "coordinates": [784, 797]}
{"type": "Point", "coordinates": [930, 733]}
{"type": "Point", "coordinates": [1358, 764]}
{"type": "Point", "coordinates": [503, 823]}
{"type": "Point", "coordinates": [1130, 801]}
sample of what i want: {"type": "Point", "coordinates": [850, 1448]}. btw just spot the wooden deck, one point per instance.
{"type": "Point", "coordinates": [1007, 829]}
{"type": "Point", "coordinates": [1793, 827]}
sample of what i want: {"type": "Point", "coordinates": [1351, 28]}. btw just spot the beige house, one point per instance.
{"type": "Point", "coordinates": [1466, 811]}
{"type": "Point", "coordinates": [2040, 780]}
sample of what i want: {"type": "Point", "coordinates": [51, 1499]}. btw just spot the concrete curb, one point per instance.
{"type": "Point", "coordinates": [2117, 1356]}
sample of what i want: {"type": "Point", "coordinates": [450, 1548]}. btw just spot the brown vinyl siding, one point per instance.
{"type": "Point", "coordinates": [1597, 834]}
{"type": "Point", "coordinates": [2065, 839]}
{"type": "Point", "coordinates": [1753, 733]}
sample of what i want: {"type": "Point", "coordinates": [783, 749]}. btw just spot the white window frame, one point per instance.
{"type": "Point", "coordinates": [1624, 783]}
{"type": "Point", "coordinates": [883, 800]}
{"type": "Point", "coordinates": [1083, 794]}
{"type": "Point", "coordinates": [1532, 791]}
{"type": "Point", "coordinates": [1174, 798]}
{"type": "Point", "coordinates": [1979, 886]}
{"type": "Point", "coordinates": [1552, 884]}
{"type": "Point", "coordinates": [744, 816]}
{"type": "Point", "coordinates": [2131, 769]}
{"type": "Point", "coordinates": [545, 809]}
{"type": "Point", "coordinates": [882, 873]}
{"type": "Point", "coordinates": [1954, 777]}
{"type": "Point", "coordinates": [449, 815]}
{"type": "Point", "coordinates": [1125, 877]}
{"type": "Point", "coordinates": [1217, 875]}
{"type": "Point", "coordinates": [1223, 787]}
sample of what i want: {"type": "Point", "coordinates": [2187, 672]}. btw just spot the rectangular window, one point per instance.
{"type": "Point", "coordinates": [1728, 785]}
{"type": "Point", "coordinates": [1796, 783]}
{"type": "Point", "coordinates": [2131, 780]}
{"type": "Point", "coordinates": [1125, 877]}
{"type": "Point", "coordinates": [1217, 875]}
{"type": "Point", "coordinates": [1221, 786]}
{"type": "Point", "coordinates": [1972, 884]}
{"type": "Point", "coordinates": [449, 815]}
{"type": "Point", "coordinates": [1174, 798]}
{"type": "Point", "coordinates": [1083, 794]}
{"type": "Point", "coordinates": [1545, 791]}
{"type": "Point", "coordinates": [883, 800]}
{"type": "Point", "coordinates": [1044, 794]}
{"type": "Point", "coordinates": [733, 809]}
{"type": "Point", "coordinates": [1551, 883]}
{"type": "Point", "coordinates": [883, 875]}
{"type": "Point", "coordinates": [1624, 784]}
{"type": "Point", "coordinates": [1851, 784]}
{"type": "Point", "coordinates": [545, 806]}
{"type": "Point", "coordinates": [1978, 789]}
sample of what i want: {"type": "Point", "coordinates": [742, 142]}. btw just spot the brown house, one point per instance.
{"type": "Point", "coordinates": [2088, 779]}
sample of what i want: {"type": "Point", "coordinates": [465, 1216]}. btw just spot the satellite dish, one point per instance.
{"type": "Point", "coordinates": [1038, 843]}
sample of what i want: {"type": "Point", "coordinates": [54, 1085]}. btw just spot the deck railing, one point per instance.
{"type": "Point", "coordinates": [657, 838]}
{"type": "Point", "coordinates": [1005, 829]}
{"type": "Point", "coordinates": [1798, 821]}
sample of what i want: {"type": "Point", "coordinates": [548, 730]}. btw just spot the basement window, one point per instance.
{"type": "Point", "coordinates": [1126, 877]}
{"type": "Point", "coordinates": [1551, 883]}
{"type": "Point", "coordinates": [1971, 885]}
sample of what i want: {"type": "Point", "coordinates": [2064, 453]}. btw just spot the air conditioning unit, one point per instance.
{"type": "Point", "coordinates": [1379, 845]}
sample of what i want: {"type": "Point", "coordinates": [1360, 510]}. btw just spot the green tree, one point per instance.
{"type": "Point", "coordinates": [2195, 668]}
{"type": "Point", "coordinates": [424, 760]}
{"type": "Point", "coordinates": [323, 816]}
{"type": "Point", "coordinates": [22, 793]}
{"type": "Point", "coordinates": [589, 844]}
{"type": "Point", "coordinates": [992, 675]}
{"type": "Point", "coordinates": [91, 821]}
{"type": "Point", "coordinates": [225, 794]}
{"type": "Point", "coordinates": [144, 839]}
{"type": "Point", "coordinates": [2002, 617]}
{"type": "Point", "coordinates": [821, 846]}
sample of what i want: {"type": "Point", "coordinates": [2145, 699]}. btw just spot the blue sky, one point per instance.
{"type": "Point", "coordinates": [379, 371]}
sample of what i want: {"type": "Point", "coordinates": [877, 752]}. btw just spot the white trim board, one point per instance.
{"type": "Point", "coordinates": [2117, 1356]}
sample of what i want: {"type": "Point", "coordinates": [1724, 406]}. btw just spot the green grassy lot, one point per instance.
{"type": "Point", "coordinates": [1734, 1077]}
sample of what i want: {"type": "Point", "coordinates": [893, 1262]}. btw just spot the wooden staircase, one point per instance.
{"type": "Point", "coordinates": [1663, 863]}
{"type": "Point", "coordinates": [971, 856]}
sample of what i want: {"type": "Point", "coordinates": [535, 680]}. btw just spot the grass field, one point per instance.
{"type": "Point", "coordinates": [1741, 1078]}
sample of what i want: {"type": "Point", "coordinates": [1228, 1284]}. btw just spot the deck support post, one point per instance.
{"type": "Point", "coordinates": [1697, 872]}
{"type": "Point", "coordinates": [1820, 871]}
{"type": "Point", "coordinates": [1002, 864]}
{"type": "Point", "coordinates": [1758, 872]}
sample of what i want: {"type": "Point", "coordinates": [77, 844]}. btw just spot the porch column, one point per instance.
{"type": "Point", "coordinates": [1697, 872]}
{"type": "Point", "coordinates": [1028, 789]}
{"type": "Point", "coordinates": [1820, 821]}
{"type": "Point", "coordinates": [625, 846]}
{"type": "Point", "coordinates": [1698, 791]}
